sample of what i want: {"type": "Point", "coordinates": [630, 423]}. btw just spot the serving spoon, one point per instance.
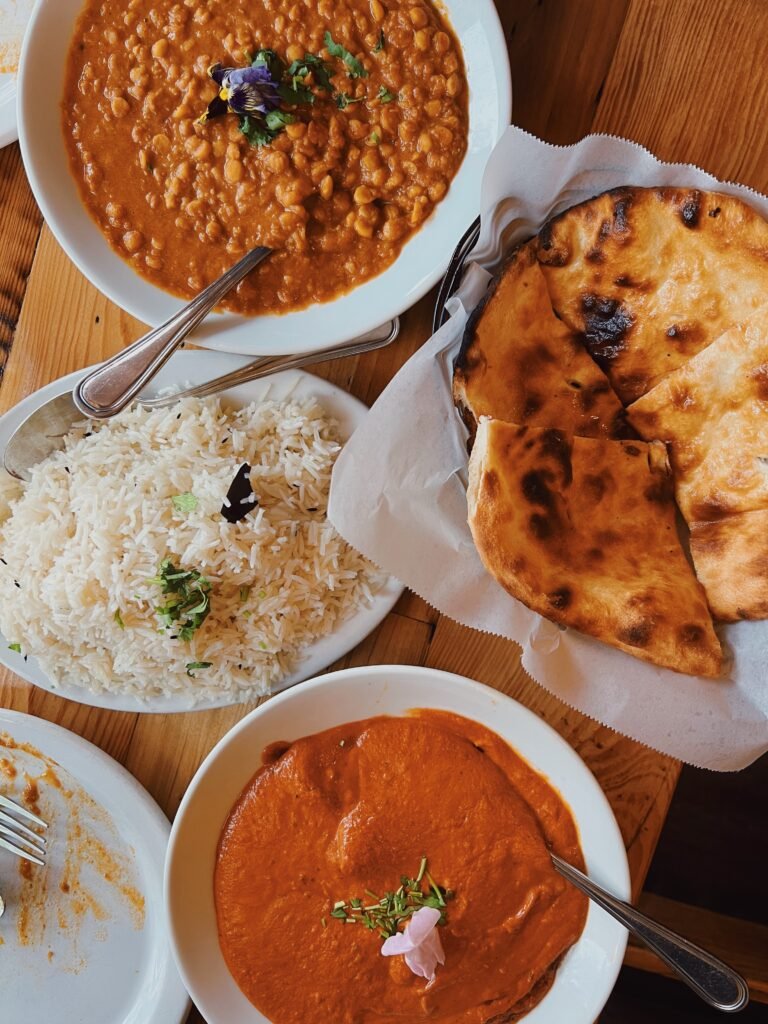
{"type": "Point", "coordinates": [711, 979]}
{"type": "Point", "coordinates": [116, 382]}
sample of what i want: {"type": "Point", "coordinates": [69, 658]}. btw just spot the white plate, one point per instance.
{"type": "Point", "coordinates": [100, 972]}
{"type": "Point", "coordinates": [196, 367]}
{"type": "Point", "coordinates": [419, 266]}
{"type": "Point", "coordinates": [589, 969]}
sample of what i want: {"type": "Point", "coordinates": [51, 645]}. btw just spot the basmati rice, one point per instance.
{"type": "Point", "coordinates": [85, 536]}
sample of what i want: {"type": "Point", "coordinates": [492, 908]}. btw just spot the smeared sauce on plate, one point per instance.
{"type": "Point", "coordinates": [353, 809]}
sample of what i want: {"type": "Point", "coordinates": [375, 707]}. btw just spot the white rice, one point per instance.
{"type": "Point", "coordinates": [85, 536]}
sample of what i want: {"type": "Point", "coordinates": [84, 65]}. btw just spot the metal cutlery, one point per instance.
{"type": "Point", "coordinates": [711, 979]}
{"type": "Point", "coordinates": [113, 385]}
{"type": "Point", "coordinates": [18, 838]}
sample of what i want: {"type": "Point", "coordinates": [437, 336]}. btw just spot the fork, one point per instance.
{"type": "Point", "coordinates": [16, 837]}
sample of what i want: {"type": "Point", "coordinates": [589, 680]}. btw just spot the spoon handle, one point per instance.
{"type": "Point", "coordinates": [715, 982]}
{"type": "Point", "coordinates": [116, 382]}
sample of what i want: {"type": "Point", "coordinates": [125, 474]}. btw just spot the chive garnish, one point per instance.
{"type": "Point", "coordinates": [190, 666]}
{"type": "Point", "coordinates": [387, 912]}
{"type": "Point", "coordinates": [119, 619]}
{"type": "Point", "coordinates": [244, 592]}
{"type": "Point", "coordinates": [187, 602]}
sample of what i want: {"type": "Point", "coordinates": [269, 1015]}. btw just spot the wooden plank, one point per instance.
{"type": "Point", "coordinates": [742, 944]}
{"type": "Point", "coordinates": [560, 52]}
{"type": "Point", "coordinates": [20, 222]}
{"type": "Point", "coordinates": [683, 83]}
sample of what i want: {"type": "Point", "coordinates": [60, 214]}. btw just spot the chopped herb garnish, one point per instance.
{"type": "Point", "coordinates": [193, 665]}
{"type": "Point", "coordinates": [185, 502]}
{"type": "Point", "coordinates": [385, 96]}
{"type": "Point", "coordinates": [310, 64]}
{"type": "Point", "coordinates": [385, 914]}
{"type": "Point", "coordinates": [256, 131]}
{"type": "Point", "coordinates": [374, 139]}
{"type": "Point", "coordinates": [278, 119]}
{"type": "Point", "coordinates": [262, 645]}
{"type": "Point", "coordinates": [262, 594]}
{"type": "Point", "coordinates": [15, 647]}
{"type": "Point", "coordinates": [354, 68]}
{"type": "Point", "coordinates": [343, 100]}
{"type": "Point", "coordinates": [381, 42]}
{"type": "Point", "coordinates": [187, 604]}
{"type": "Point", "coordinates": [244, 592]}
{"type": "Point", "coordinates": [270, 60]}
{"type": "Point", "coordinates": [119, 619]}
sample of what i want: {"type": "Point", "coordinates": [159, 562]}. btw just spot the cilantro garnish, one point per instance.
{"type": "Point", "coordinates": [374, 139]}
{"type": "Point", "coordinates": [343, 100]}
{"type": "Point", "coordinates": [185, 502]}
{"type": "Point", "coordinates": [15, 647]}
{"type": "Point", "coordinates": [269, 60]}
{"type": "Point", "coordinates": [187, 604]}
{"type": "Point", "coordinates": [385, 96]}
{"type": "Point", "coordinates": [385, 914]}
{"type": "Point", "coordinates": [316, 66]}
{"type": "Point", "coordinates": [119, 619]}
{"type": "Point", "coordinates": [354, 68]}
{"type": "Point", "coordinates": [192, 665]}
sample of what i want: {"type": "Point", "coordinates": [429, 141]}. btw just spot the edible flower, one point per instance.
{"type": "Point", "coordinates": [420, 943]}
{"type": "Point", "coordinates": [243, 91]}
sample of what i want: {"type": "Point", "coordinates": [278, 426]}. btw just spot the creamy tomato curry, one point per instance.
{"type": "Point", "coordinates": [354, 809]}
{"type": "Point", "coordinates": [336, 193]}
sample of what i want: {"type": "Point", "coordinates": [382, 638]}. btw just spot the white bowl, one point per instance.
{"type": "Point", "coordinates": [589, 969]}
{"type": "Point", "coordinates": [419, 266]}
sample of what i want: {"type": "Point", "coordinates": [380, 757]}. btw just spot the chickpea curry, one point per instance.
{"type": "Point", "coordinates": [365, 126]}
{"type": "Point", "coordinates": [354, 812]}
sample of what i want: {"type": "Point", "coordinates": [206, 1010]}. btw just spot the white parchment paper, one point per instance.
{"type": "Point", "coordinates": [398, 491]}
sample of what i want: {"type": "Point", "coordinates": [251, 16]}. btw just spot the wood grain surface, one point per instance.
{"type": "Point", "coordinates": [676, 75]}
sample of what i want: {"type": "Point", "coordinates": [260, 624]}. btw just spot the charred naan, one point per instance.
{"type": "Point", "coordinates": [582, 530]}
{"type": "Point", "coordinates": [731, 557]}
{"type": "Point", "coordinates": [713, 414]}
{"type": "Point", "coordinates": [518, 362]}
{"type": "Point", "coordinates": [650, 277]}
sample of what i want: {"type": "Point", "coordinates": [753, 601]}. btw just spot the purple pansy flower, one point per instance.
{"type": "Point", "coordinates": [244, 91]}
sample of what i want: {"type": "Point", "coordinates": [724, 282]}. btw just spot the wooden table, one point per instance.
{"type": "Point", "coordinates": [685, 78]}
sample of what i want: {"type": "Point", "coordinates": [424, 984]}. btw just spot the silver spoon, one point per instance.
{"type": "Point", "coordinates": [114, 384]}
{"type": "Point", "coordinates": [712, 980]}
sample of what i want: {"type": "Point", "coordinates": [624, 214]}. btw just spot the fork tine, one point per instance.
{"type": "Point", "coordinates": [37, 847]}
{"type": "Point", "coordinates": [12, 848]}
{"type": "Point", "coordinates": [18, 827]}
{"type": "Point", "coordinates": [13, 806]}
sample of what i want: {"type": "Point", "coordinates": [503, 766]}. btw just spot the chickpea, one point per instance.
{"type": "Point", "coordinates": [453, 85]}
{"type": "Point", "coordinates": [326, 187]}
{"type": "Point", "coordinates": [296, 130]}
{"type": "Point", "coordinates": [133, 241]}
{"type": "Point", "coordinates": [443, 135]}
{"type": "Point", "coordinates": [441, 42]}
{"type": "Point", "coordinates": [294, 52]}
{"type": "Point", "coordinates": [160, 48]}
{"type": "Point", "coordinates": [433, 108]}
{"type": "Point", "coordinates": [425, 143]}
{"type": "Point", "coordinates": [120, 106]}
{"type": "Point", "coordinates": [363, 229]}
{"type": "Point", "coordinates": [154, 262]}
{"type": "Point", "coordinates": [233, 171]}
{"type": "Point", "coordinates": [277, 161]}
{"type": "Point", "coordinates": [437, 190]}
{"type": "Point", "coordinates": [363, 195]}
{"type": "Point", "coordinates": [418, 17]}
{"type": "Point", "coordinates": [377, 10]}
{"type": "Point", "coordinates": [421, 40]}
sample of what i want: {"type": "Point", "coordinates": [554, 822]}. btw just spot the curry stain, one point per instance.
{"type": "Point", "coordinates": [38, 912]}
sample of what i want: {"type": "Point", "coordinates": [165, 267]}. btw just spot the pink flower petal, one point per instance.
{"type": "Point", "coordinates": [420, 943]}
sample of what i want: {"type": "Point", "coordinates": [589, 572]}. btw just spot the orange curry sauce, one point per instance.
{"type": "Point", "coordinates": [355, 808]}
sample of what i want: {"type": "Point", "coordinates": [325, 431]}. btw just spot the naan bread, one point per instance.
{"type": "Point", "coordinates": [652, 276]}
{"type": "Point", "coordinates": [731, 557]}
{"type": "Point", "coordinates": [518, 362]}
{"type": "Point", "coordinates": [583, 531]}
{"type": "Point", "coordinates": [713, 414]}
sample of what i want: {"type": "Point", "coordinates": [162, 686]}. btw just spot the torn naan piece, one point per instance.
{"type": "Point", "coordinates": [731, 558]}
{"type": "Point", "coordinates": [713, 415]}
{"type": "Point", "coordinates": [650, 277]}
{"type": "Point", "coordinates": [518, 362]}
{"type": "Point", "coordinates": [583, 531]}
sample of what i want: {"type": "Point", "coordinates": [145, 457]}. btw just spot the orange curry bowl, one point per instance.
{"type": "Point", "coordinates": [418, 807]}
